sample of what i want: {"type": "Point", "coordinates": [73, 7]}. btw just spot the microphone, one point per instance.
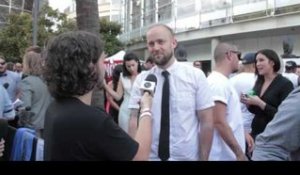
{"type": "Point", "coordinates": [149, 84]}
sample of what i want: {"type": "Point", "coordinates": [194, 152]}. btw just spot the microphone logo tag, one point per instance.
{"type": "Point", "coordinates": [148, 86]}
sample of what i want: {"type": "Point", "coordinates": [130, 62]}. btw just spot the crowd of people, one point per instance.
{"type": "Point", "coordinates": [186, 116]}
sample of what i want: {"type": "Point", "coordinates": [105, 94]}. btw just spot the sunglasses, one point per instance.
{"type": "Point", "coordinates": [238, 53]}
{"type": "Point", "coordinates": [3, 63]}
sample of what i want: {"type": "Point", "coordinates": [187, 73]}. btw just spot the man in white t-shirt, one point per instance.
{"type": "Point", "coordinates": [229, 137]}
{"type": "Point", "coordinates": [290, 73]}
{"type": "Point", "coordinates": [243, 83]}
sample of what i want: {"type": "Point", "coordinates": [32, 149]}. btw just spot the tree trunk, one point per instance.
{"type": "Point", "coordinates": [88, 20]}
{"type": "Point", "coordinates": [88, 16]}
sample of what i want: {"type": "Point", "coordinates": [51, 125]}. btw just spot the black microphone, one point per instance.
{"type": "Point", "coordinates": [149, 84]}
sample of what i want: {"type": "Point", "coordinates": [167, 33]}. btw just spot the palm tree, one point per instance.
{"type": "Point", "coordinates": [88, 20]}
{"type": "Point", "coordinates": [88, 15]}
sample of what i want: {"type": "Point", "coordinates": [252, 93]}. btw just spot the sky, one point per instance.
{"type": "Point", "coordinates": [60, 4]}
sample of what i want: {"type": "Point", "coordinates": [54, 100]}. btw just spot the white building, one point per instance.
{"type": "Point", "coordinates": [16, 6]}
{"type": "Point", "coordinates": [201, 24]}
{"type": "Point", "coordinates": [109, 9]}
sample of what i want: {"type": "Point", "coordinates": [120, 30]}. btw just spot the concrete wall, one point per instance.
{"type": "Point", "coordinates": [202, 51]}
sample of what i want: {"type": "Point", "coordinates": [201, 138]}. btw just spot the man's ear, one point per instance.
{"type": "Point", "coordinates": [174, 42]}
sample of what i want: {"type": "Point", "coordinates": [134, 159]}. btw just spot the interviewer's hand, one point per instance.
{"type": "Point", "coordinates": [2, 147]}
{"type": "Point", "coordinates": [146, 101]}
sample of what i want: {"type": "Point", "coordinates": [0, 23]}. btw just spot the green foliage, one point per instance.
{"type": "Point", "coordinates": [109, 32]}
{"type": "Point", "coordinates": [16, 36]}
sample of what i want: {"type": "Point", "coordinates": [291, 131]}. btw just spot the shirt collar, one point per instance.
{"type": "Point", "coordinates": [170, 69]}
{"type": "Point", "coordinates": [3, 74]}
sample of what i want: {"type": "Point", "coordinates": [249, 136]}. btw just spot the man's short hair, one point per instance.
{"type": "Point", "coordinates": [163, 25]}
{"type": "Point", "coordinates": [71, 67]}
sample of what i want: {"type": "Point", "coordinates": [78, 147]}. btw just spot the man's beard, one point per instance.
{"type": "Point", "coordinates": [235, 71]}
{"type": "Point", "coordinates": [2, 70]}
{"type": "Point", "coordinates": [164, 61]}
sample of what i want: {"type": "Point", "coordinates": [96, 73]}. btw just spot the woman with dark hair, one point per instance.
{"type": "Point", "coordinates": [131, 68]}
{"type": "Point", "coordinates": [270, 89]}
{"type": "Point", "coordinates": [75, 130]}
{"type": "Point", "coordinates": [112, 104]}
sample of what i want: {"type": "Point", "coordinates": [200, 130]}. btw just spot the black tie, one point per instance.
{"type": "Point", "coordinates": [3, 74]}
{"type": "Point", "coordinates": [163, 147]}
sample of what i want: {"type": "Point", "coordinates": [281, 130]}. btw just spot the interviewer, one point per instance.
{"type": "Point", "coordinates": [74, 130]}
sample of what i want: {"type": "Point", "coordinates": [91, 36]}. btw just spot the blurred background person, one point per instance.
{"type": "Point", "coordinates": [270, 89]}
{"type": "Point", "coordinates": [243, 84]}
{"type": "Point", "coordinates": [10, 66]}
{"type": "Point", "coordinates": [113, 106]}
{"type": "Point", "coordinates": [131, 68]}
{"type": "Point", "coordinates": [149, 63]}
{"type": "Point", "coordinates": [7, 111]}
{"type": "Point", "coordinates": [19, 69]}
{"type": "Point", "coordinates": [290, 73]}
{"type": "Point", "coordinates": [10, 80]}
{"type": "Point", "coordinates": [197, 64]}
{"type": "Point", "coordinates": [34, 93]}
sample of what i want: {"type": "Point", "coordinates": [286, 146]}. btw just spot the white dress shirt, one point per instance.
{"type": "Point", "coordinates": [189, 91]}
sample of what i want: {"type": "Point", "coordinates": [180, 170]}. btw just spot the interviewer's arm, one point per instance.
{"type": "Point", "coordinates": [144, 131]}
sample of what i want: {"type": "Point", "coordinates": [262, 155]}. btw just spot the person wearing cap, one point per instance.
{"type": "Point", "coordinates": [290, 73]}
{"type": "Point", "coordinates": [243, 83]}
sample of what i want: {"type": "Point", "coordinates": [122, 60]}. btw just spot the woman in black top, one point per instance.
{"type": "Point", "coordinates": [270, 89]}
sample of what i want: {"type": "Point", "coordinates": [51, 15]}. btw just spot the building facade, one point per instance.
{"type": "Point", "coordinates": [16, 6]}
{"type": "Point", "coordinates": [109, 9]}
{"type": "Point", "coordinates": [201, 24]}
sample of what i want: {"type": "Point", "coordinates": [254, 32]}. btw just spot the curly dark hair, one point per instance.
{"type": "Point", "coordinates": [71, 64]}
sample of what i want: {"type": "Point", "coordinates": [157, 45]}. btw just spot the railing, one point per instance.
{"type": "Point", "coordinates": [236, 11]}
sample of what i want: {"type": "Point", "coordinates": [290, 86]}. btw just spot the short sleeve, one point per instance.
{"type": "Point", "coordinates": [136, 93]}
{"type": "Point", "coordinates": [203, 93]}
{"type": "Point", "coordinates": [116, 144]}
{"type": "Point", "coordinates": [219, 88]}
